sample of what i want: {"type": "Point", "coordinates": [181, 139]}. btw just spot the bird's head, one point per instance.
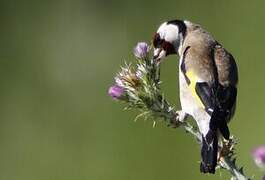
{"type": "Point", "coordinates": [168, 38]}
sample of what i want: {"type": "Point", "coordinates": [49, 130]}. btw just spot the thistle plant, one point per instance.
{"type": "Point", "coordinates": [138, 86]}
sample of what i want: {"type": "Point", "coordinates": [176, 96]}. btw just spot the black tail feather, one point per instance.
{"type": "Point", "coordinates": [209, 152]}
{"type": "Point", "coordinates": [210, 141]}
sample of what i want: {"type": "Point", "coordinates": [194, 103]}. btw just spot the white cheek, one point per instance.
{"type": "Point", "coordinates": [171, 37]}
{"type": "Point", "coordinates": [171, 33]}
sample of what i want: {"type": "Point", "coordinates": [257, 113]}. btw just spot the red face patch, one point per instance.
{"type": "Point", "coordinates": [157, 40]}
{"type": "Point", "coordinates": [168, 47]}
{"type": "Point", "coordinates": [160, 43]}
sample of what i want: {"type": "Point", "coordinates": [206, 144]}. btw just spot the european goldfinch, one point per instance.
{"type": "Point", "coordinates": [208, 79]}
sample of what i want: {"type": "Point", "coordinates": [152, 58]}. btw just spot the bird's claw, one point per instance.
{"type": "Point", "coordinates": [180, 117]}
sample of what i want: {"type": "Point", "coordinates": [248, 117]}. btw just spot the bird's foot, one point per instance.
{"type": "Point", "coordinates": [180, 118]}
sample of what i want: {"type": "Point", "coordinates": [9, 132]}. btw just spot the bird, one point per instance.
{"type": "Point", "coordinates": [208, 78]}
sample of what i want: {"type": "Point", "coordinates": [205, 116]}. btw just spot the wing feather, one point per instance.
{"type": "Point", "coordinates": [217, 97]}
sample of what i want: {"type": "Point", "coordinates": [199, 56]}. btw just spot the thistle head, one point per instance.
{"type": "Point", "coordinates": [141, 50]}
{"type": "Point", "coordinates": [116, 92]}
{"type": "Point", "coordinates": [127, 77]}
{"type": "Point", "coordinates": [259, 156]}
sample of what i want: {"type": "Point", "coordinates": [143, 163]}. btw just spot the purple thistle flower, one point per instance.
{"type": "Point", "coordinates": [141, 50]}
{"type": "Point", "coordinates": [259, 156]}
{"type": "Point", "coordinates": [116, 92]}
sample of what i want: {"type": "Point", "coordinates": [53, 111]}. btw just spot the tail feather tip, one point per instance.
{"type": "Point", "coordinates": [209, 154]}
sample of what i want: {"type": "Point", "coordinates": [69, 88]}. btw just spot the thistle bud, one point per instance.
{"type": "Point", "coordinates": [116, 92]}
{"type": "Point", "coordinates": [141, 50]}
{"type": "Point", "coordinates": [259, 156]}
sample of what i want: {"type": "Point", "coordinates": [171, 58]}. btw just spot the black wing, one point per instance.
{"type": "Point", "coordinates": [219, 103]}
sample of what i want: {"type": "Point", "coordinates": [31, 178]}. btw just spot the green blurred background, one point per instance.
{"type": "Point", "coordinates": [57, 60]}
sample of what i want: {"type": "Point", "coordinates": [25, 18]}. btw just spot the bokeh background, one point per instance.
{"type": "Point", "coordinates": [57, 60]}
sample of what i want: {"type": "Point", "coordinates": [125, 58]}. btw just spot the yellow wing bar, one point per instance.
{"type": "Point", "coordinates": [193, 80]}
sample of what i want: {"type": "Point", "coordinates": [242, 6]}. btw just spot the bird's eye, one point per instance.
{"type": "Point", "coordinates": [157, 40]}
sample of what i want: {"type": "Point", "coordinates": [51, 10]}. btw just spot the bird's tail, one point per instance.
{"type": "Point", "coordinates": [210, 141]}
{"type": "Point", "coordinates": [209, 152]}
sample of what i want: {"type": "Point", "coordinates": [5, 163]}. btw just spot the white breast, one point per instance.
{"type": "Point", "coordinates": [190, 105]}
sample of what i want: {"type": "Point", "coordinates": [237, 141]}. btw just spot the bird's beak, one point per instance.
{"type": "Point", "coordinates": [159, 54]}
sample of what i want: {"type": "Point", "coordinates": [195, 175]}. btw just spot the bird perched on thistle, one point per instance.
{"type": "Point", "coordinates": [207, 82]}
